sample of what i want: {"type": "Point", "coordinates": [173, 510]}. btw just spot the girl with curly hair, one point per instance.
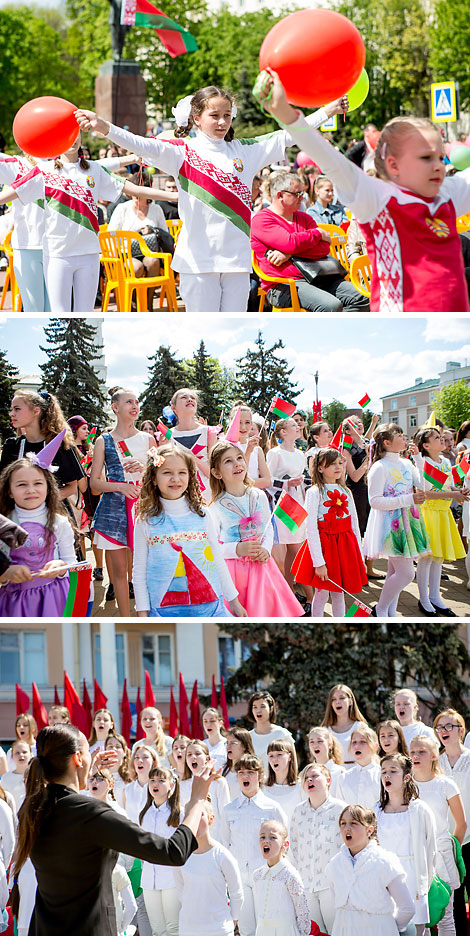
{"type": "Point", "coordinates": [179, 568]}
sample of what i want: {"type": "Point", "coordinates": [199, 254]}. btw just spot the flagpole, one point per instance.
{"type": "Point", "coordinates": [344, 590]}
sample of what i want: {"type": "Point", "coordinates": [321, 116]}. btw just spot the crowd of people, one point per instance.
{"type": "Point", "coordinates": [267, 519]}
{"type": "Point", "coordinates": [369, 837]}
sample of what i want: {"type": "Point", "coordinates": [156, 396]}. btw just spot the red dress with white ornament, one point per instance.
{"type": "Point", "coordinates": [333, 539]}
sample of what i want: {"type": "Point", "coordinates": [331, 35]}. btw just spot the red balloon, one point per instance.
{"type": "Point", "coordinates": [46, 127]}
{"type": "Point", "coordinates": [303, 159]}
{"type": "Point", "coordinates": [318, 54]}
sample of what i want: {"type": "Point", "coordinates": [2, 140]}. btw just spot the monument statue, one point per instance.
{"type": "Point", "coordinates": [118, 31]}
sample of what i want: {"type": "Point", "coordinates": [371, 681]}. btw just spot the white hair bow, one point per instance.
{"type": "Point", "coordinates": [182, 111]}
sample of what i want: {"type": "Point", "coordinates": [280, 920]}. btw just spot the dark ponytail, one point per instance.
{"type": "Point", "coordinates": [56, 744]}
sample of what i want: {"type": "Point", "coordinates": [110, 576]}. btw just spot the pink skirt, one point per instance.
{"type": "Point", "coordinates": [262, 589]}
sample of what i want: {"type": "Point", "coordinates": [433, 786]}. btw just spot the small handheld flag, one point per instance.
{"type": "Point", "coordinates": [364, 401]}
{"type": "Point", "coordinates": [347, 441]}
{"type": "Point", "coordinates": [79, 590]}
{"type": "Point", "coordinates": [434, 475]}
{"type": "Point", "coordinates": [290, 512]}
{"type": "Point", "coordinates": [357, 609]}
{"type": "Point", "coordinates": [233, 431]}
{"type": "Point", "coordinates": [125, 451]}
{"type": "Point", "coordinates": [164, 430]}
{"type": "Point", "coordinates": [281, 408]}
{"type": "Point", "coordinates": [91, 435]}
{"type": "Point", "coordinates": [458, 474]}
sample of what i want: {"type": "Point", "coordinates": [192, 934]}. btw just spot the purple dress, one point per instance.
{"type": "Point", "coordinates": [42, 597]}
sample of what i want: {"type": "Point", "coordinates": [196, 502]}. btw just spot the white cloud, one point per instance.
{"type": "Point", "coordinates": [445, 328]}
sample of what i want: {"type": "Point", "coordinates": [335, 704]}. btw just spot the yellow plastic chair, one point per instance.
{"type": "Point", "coordinates": [116, 255]}
{"type": "Point", "coordinates": [463, 223]}
{"type": "Point", "coordinates": [338, 250]}
{"type": "Point", "coordinates": [10, 278]}
{"type": "Point", "coordinates": [295, 307]}
{"type": "Point", "coordinates": [361, 274]}
{"type": "Point", "coordinates": [334, 230]}
{"type": "Point", "coordinates": [174, 226]}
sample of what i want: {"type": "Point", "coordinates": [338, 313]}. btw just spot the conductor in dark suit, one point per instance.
{"type": "Point", "coordinates": [74, 840]}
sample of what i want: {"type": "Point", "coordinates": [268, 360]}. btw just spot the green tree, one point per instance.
{"type": "Point", "coordinates": [166, 374]}
{"type": "Point", "coordinates": [333, 413]}
{"type": "Point", "coordinates": [69, 371]}
{"type": "Point", "coordinates": [449, 35]}
{"type": "Point", "coordinates": [207, 376]}
{"type": "Point", "coordinates": [301, 661]}
{"type": "Point", "coordinates": [261, 375]}
{"type": "Point", "coordinates": [8, 379]}
{"type": "Point", "coordinates": [88, 44]}
{"type": "Point", "coordinates": [452, 403]}
{"type": "Point", "coordinates": [33, 60]}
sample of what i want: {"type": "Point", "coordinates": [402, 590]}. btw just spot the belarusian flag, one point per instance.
{"type": "Point", "coordinates": [364, 401]}
{"type": "Point", "coordinates": [79, 591]}
{"type": "Point", "coordinates": [434, 475]}
{"type": "Point", "coordinates": [125, 451]}
{"type": "Point", "coordinates": [460, 470]}
{"type": "Point", "coordinates": [176, 40]}
{"type": "Point", "coordinates": [91, 435]}
{"type": "Point", "coordinates": [347, 441]}
{"type": "Point", "coordinates": [357, 609]}
{"type": "Point", "coordinates": [164, 430]}
{"type": "Point", "coordinates": [290, 512]}
{"type": "Point", "coordinates": [282, 408]}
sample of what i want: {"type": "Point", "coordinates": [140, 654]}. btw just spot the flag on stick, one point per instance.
{"type": "Point", "coordinates": [347, 441]}
{"type": "Point", "coordinates": [434, 475]}
{"type": "Point", "coordinates": [357, 609]}
{"type": "Point", "coordinates": [364, 401]}
{"type": "Point", "coordinates": [72, 703]}
{"type": "Point", "coordinates": [149, 697]}
{"type": "Point", "coordinates": [290, 512]}
{"type": "Point", "coordinates": [56, 697]}
{"type": "Point", "coordinates": [173, 726]}
{"type": "Point", "coordinates": [183, 701]}
{"type": "Point", "coordinates": [91, 435]}
{"type": "Point", "coordinates": [164, 430]}
{"type": "Point", "coordinates": [86, 702]}
{"type": "Point", "coordinates": [100, 700]}
{"type": "Point", "coordinates": [126, 717]}
{"type": "Point", "coordinates": [233, 431]}
{"type": "Point", "coordinates": [196, 723]}
{"type": "Point", "coordinates": [176, 40]}
{"type": "Point", "coordinates": [282, 408]}
{"type": "Point", "coordinates": [79, 591]}
{"type": "Point", "coordinates": [39, 709]}
{"type": "Point", "coordinates": [139, 731]}
{"type": "Point", "coordinates": [458, 474]}
{"type": "Point", "coordinates": [22, 701]}
{"type": "Point", "coordinates": [124, 449]}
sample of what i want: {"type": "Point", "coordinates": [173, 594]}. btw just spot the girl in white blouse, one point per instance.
{"type": "Point", "coordinates": [283, 784]}
{"type": "Point", "coordinates": [161, 815]}
{"type": "Point", "coordinates": [280, 903]}
{"type": "Point", "coordinates": [325, 749]}
{"type": "Point", "coordinates": [361, 784]}
{"type": "Point", "coordinates": [454, 759]}
{"type": "Point", "coordinates": [342, 716]}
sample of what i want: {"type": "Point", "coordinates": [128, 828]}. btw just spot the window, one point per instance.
{"type": "Point", "coordinates": [413, 421]}
{"type": "Point", "coordinates": [394, 404]}
{"type": "Point", "coordinates": [23, 657]}
{"type": "Point", "coordinates": [412, 400]}
{"type": "Point", "coordinates": [226, 656]}
{"type": "Point", "coordinates": [157, 658]}
{"type": "Point", "coordinates": [120, 658]}
{"type": "Point", "coordinates": [394, 419]}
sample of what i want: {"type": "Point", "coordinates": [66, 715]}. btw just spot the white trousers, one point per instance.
{"type": "Point", "coordinates": [322, 908]}
{"type": "Point", "coordinates": [163, 910]}
{"type": "Point", "coordinates": [29, 272]}
{"type": "Point", "coordinates": [67, 275]}
{"type": "Point", "coordinates": [215, 292]}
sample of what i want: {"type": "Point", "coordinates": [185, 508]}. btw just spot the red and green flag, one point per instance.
{"type": "Point", "coordinates": [347, 441]}
{"type": "Point", "coordinates": [79, 591]}
{"type": "Point", "coordinates": [176, 40]}
{"type": "Point", "coordinates": [290, 512]}
{"type": "Point", "coordinates": [357, 609]}
{"type": "Point", "coordinates": [124, 449]}
{"type": "Point", "coordinates": [91, 435]}
{"type": "Point", "coordinates": [164, 430]}
{"type": "Point", "coordinates": [281, 408]}
{"type": "Point", "coordinates": [458, 474]}
{"type": "Point", "coordinates": [434, 475]}
{"type": "Point", "coordinates": [364, 401]}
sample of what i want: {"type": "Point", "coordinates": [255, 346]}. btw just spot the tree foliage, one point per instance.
{"type": "Point", "coordinates": [166, 374]}
{"type": "Point", "coordinates": [333, 413]}
{"type": "Point", "coordinates": [69, 372]}
{"type": "Point", "coordinates": [206, 375]}
{"type": "Point", "coordinates": [300, 661]}
{"type": "Point", "coordinates": [452, 403]}
{"type": "Point", "coordinates": [449, 37]}
{"type": "Point", "coordinates": [261, 375]}
{"type": "Point", "coordinates": [8, 379]}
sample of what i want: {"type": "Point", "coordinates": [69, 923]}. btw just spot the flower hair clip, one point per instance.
{"type": "Point", "coordinates": [182, 111]}
{"type": "Point", "coordinates": [154, 456]}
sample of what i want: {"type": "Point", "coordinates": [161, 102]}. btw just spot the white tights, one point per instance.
{"type": "Point", "coordinates": [400, 573]}
{"type": "Point", "coordinates": [428, 577]}
{"type": "Point", "coordinates": [447, 926]}
{"type": "Point", "coordinates": [66, 274]}
{"type": "Point", "coordinates": [321, 597]}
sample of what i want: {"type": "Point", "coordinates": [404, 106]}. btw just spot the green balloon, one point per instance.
{"type": "Point", "coordinates": [460, 157]}
{"type": "Point", "coordinates": [359, 91]}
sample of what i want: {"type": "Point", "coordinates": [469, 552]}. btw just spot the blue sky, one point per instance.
{"type": "Point", "coordinates": [353, 355]}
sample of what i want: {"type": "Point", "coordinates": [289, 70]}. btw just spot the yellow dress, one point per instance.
{"type": "Point", "coordinates": [444, 536]}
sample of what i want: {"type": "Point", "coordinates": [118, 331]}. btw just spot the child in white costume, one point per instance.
{"type": "Point", "coordinates": [213, 724]}
{"type": "Point", "coordinates": [161, 816]}
{"type": "Point", "coordinates": [315, 837]}
{"type": "Point", "coordinates": [342, 717]}
{"type": "Point", "coordinates": [214, 175]}
{"type": "Point", "coordinates": [197, 756]}
{"type": "Point", "coordinates": [325, 749]}
{"type": "Point", "coordinates": [239, 830]}
{"type": "Point", "coordinates": [449, 726]}
{"type": "Point", "coordinates": [361, 784]}
{"type": "Point", "coordinates": [406, 827]}
{"type": "Point", "coordinates": [262, 711]}
{"type": "Point", "coordinates": [26, 239]}
{"type": "Point", "coordinates": [202, 885]}
{"type": "Point", "coordinates": [368, 883]}
{"type": "Point", "coordinates": [405, 702]}
{"type": "Point", "coordinates": [283, 784]}
{"type": "Point", "coordinates": [279, 896]}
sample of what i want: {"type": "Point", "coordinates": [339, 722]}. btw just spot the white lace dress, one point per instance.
{"type": "Point", "coordinates": [280, 903]}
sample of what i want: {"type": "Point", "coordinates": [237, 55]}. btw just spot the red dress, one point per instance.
{"type": "Point", "coordinates": [336, 545]}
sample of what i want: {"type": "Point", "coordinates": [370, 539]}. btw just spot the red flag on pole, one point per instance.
{"type": "Point", "coordinates": [86, 702]}
{"type": "Point", "coordinates": [126, 717]}
{"type": "Point", "coordinates": [173, 726]}
{"type": "Point", "coordinates": [56, 697]}
{"type": "Point", "coordinates": [149, 693]}
{"type": "Point", "coordinates": [183, 701]}
{"type": "Point", "coordinates": [22, 700]}
{"type": "Point", "coordinates": [196, 723]}
{"type": "Point", "coordinates": [100, 700]}
{"type": "Point", "coordinates": [39, 709]}
{"type": "Point", "coordinates": [214, 699]}
{"type": "Point", "coordinates": [223, 705]}
{"type": "Point", "coordinates": [139, 731]}
{"type": "Point", "coordinates": [75, 707]}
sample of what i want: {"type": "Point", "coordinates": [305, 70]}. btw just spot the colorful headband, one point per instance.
{"type": "Point", "coordinates": [154, 456]}
{"type": "Point", "coordinates": [45, 457]}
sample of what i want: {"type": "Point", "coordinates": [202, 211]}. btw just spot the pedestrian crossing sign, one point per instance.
{"type": "Point", "coordinates": [444, 102]}
{"type": "Point", "coordinates": [330, 124]}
